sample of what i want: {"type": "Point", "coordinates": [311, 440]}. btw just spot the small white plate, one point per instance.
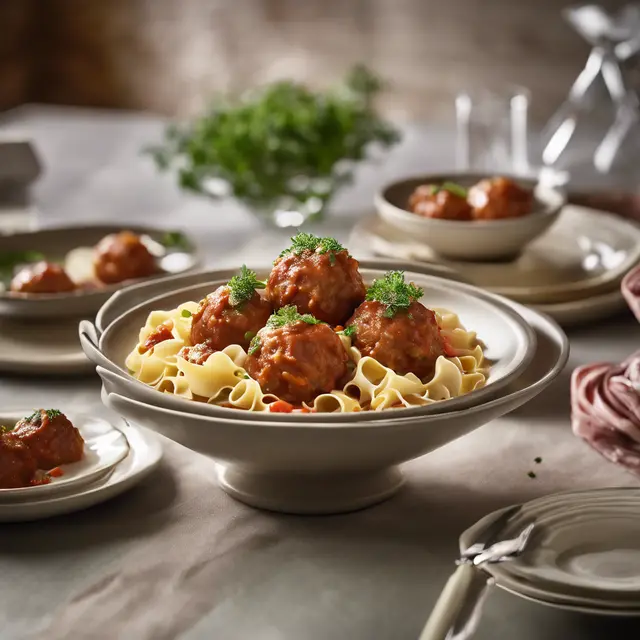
{"type": "Point", "coordinates": [41, 348]}
{"type": "Point", "coordinates": [584, 551]}
{"type": "Point", "coordinates": [586, 252]}
{"type": "Point", "coordinates": [145, 452]}
{"type": "Point", "coordinates": [104, 447]}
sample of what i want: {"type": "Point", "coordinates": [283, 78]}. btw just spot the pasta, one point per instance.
{"type": "Point", "coordinates": [222, 380]}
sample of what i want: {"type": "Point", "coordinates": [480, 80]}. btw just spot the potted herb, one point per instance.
{"type": "Point", "coordinates": [282, 150]}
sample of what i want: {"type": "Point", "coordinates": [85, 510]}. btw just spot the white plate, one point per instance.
{"type": "Point", "coordinates": [145, 452]}
{"type": "Point", "coordinates": [584, 551]}
{"type": "Point", "coordinates": [586, 252]}
{"type": "Point", "coordinates": [40, 348]}
{"type": "Point", "coordinates": [104, 447]}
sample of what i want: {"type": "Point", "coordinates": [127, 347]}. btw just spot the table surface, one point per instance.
{"type": "Point", "coordinates": [176, 557]}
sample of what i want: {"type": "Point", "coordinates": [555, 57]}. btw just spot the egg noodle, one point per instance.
{"type": "Point", "coordinates": [222, 380]}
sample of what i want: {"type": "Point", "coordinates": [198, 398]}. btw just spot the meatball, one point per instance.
{"type": "Point", "coordinates": [298, 361]}
{"type": "Point", "coordinates": [499, 198]}
{"type": "Point", "coordinates": [42, 277]}
{"type": "Point", "coordinates": [327, 285]}
{"type": "Point", "coordinates": [50, 437]}
{"type": "Point", "coordinates": [17, 465]}
{"type": "Point", "coordinates": [408, 342]}
{"type": "Point", "coordinates": [197, 354]}
{"type": "Point", "coordinates": [430, 201]}
{"type": "Point", "coordinates": [218, 323]}
{"type": "Point", "coordinates": [122, 256]}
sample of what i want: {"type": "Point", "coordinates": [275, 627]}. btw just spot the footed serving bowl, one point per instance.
{"type": "Point", "coordinates": [326, 463]}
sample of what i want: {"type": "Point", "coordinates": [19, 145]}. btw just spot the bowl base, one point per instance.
{"type": "Point", "coordinates": [302, 493]}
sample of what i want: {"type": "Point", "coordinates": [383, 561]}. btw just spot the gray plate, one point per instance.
{"type": "Point", "coordinates": [55, 244]}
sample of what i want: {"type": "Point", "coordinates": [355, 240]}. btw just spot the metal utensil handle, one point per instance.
{"type": "Point", "coordinates": [449, 604]}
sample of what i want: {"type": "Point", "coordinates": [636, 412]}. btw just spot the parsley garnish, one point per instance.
{"type": "Point", "coordinates": [51, 414]}
{"type": "Point", "coordinates": [537, 460]}
{"type": "Point", "coordinates": [349, 331]}
{"type": "Point", "coordinates": [393, 292]}
{"type": "Point", "coordinates": [255, 345]}
{"type": "Point", "coordinates": [185, 313]}
{"type": "Point", "coordinates": [175, 240]}
{"type": "Point", "coordinates": [290, 315]}
{"type": "Point", "coordinates": [243, 286]}
{"type": "Point", "coordinates": [308, 242]}
{"type": "Point", "coordinates": [451, 187]}
{"type": "Point", "coordinates": [531, 474]}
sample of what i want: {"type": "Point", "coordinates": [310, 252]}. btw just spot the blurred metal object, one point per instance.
{"type": "Point", "coordinates": [614, 39]}
{"type": "Point", "coordinates": [20, 167]}
{"type": "Point", "coordinates": [491, 130]}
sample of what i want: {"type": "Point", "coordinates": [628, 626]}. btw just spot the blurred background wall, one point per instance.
{"type": "Point", "coordinates": [169, 56]}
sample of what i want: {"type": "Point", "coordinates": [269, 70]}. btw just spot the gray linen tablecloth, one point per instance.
{"type": "Point", "coordinates": [177, 558]}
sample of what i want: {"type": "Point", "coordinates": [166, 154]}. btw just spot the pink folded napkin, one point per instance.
{"type": "Point", "coordinates": [605, 398]}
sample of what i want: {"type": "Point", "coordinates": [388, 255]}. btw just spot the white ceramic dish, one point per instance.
{"type": "Point", "coordinates": [586, 253]}
{"type": "Point", "coordinates": [105, 446]}
{"type": "Point", "coordinates": [584, 553]}
{"type": "Point", "coordinates": [469, 240]}
{"type": "Point", "coordinates": [41, 348]}
{"type": "Point", "coordinates": [145, 452]}
{"type": "Point", "coordinates": [55, 245]}
{"type": "Point", "coordinates": [333, 467]}
{"type": "Point", "coordinates": [509, 345]}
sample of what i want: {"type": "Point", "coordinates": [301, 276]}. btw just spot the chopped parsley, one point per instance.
{"type": "Point", "coordinates": [451, 187]}
{"type": "Point", "coordinates": [531, 474]}
{"type": "Point", "coordinates": [175, 240]}
{"type": "Point", "coordinates": [308, 242]}
{"type": "Point", "coordinates": [243, 286]}
{"type": "Point", "coordinates": [393, 292]}
{"type": "Point", "coordinates": [349, 331]}
{"type": "Point", "coordinates": [51, 414]}
{"type": "Point", "coordinates": [185, 313]}
{"type": "Point", "coordinates": [255, 345]}
{"type": "Point", "coordinates": [537, 460]}
{"type": "Point", "coordinates": [290, 315]}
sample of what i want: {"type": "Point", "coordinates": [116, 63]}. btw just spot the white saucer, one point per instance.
{"type": "Point", "coordinates": [584, 552]}
{"type": "Point", "coordinates": [145, 452]}
{"type": "Point", "coordinates": [50, 348]}
{"type": "Point", "coordinates": [105, 446]}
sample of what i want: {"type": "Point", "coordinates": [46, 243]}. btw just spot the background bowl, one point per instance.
{"type": "Point", "coordinates": [469, 240]}
{"type": "Point", "coordinates": [510, 344]}
{"type": "Point", "coordinates": [55, 244]}
{"type": "Point", "coordinates": [331, 467]}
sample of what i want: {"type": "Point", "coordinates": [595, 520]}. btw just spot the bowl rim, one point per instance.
{"type": "Point", "coordinates": [16, 298]}
{"type": "Point", "coordinates": [531, 316]}
{"type": "Point", "coordinates": [549, 209]}
{"type": "Point", "coordinates": [512, 315]}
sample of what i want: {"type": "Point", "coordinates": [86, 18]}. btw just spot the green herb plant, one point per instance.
{"type": "Point", "coordinates": [394, 293]}
{"type": "Point", "coordinates": [283, 141]}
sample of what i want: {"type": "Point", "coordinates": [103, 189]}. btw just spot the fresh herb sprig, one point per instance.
{"type": "Point", "coordinates": [452, 187]}
{"type": "Point", "coordinates": [51, 414]}
{"type": "Point", "coordinates": [349, 331]}
{"type": "Point", "coordinates": [281, 318]}
{"type": "Point", "coordinates": [243, 286]}
{"type": "Point", "coordinates": [394, 293]}
{"type": "Point", "coordinates": [308, 242]}
{"type": "Point", "coordinates": [259, 146]}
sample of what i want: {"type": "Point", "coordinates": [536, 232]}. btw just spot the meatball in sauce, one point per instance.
{"type": "Point", "coordinates": [395, 329]}
{"type": "Point", "coordinates": [123, 256]}
{"type": "Point", "coordinates": [17, 465]}
{"type": "Point", "coordinates": [50, 437]}
{"type": "Point", "coordinates": [296, 360]}
{"type": "Point", "coordinates": [42, 277]}
{"type": "Point", "coordinates": [318, 276]}
{"type": "Point", "coordinates": [232, 314]}
{"type": "Point", "coordinates": [499, 198]}
{"type": "Point", "coordinates": [431, 201]}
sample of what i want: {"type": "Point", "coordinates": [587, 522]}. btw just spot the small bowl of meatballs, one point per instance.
{"type": "Point", "coordinates": [309, 381]}
{"type": "Point", "coordinates": [71, 271]}
{"type": "Point", "coordinates": [469, 216]}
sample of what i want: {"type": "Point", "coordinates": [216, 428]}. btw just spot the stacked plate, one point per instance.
{"type": "Point", "coordinates": [572, 272]}
{"type": "Point", "coordinates": [329, 462]}
{"type": "Point", "coordinates": [114, 460]}
{"type": "Point", "coordinates": [584, 553]}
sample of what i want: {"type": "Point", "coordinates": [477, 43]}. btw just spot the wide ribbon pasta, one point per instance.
{"type": "Point", "coordinates": [222, 380]}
